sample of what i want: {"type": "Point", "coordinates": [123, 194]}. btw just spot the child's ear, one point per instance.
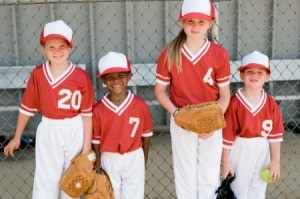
{"type": "Point", "coordinates": [42, 47]}
{"type": "Point", "coordinates": [102, 79]}
{"type": "Point", "coordinates": [129, 76]}
{"type": "Point", "coordinates": [242, 76]}
{"type": "Point", "coordinates": [268, 77]}
{"type": "Point", "coordinates": [212, 23]}
{"type": "Point", "coordinates": [103, 82]}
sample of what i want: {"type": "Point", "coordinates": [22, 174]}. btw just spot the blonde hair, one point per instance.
{"type": "Point", "coordinates": [173, 49]}
{"type": "Point", "coordinates": [173, 57]}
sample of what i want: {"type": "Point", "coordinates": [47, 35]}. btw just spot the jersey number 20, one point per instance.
{"type": "Point", "coordinates": [67, 95]}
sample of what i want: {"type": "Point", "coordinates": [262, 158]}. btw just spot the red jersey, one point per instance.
{"type": "Point", "coordinates": [64, 97]}
{"type": "Point", "coordinates": [120, 129]}
{"type": "Point", "coordinates": [244, 120]}
{"type": "Point", "coordinates": [201, 76]}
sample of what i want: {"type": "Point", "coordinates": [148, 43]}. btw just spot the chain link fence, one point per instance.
{"type": "Point", "coordinates": [141, 29]}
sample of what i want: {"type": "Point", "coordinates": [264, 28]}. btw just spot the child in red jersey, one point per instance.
{"type": "Point", "coordinates": [63, 93]}
{"type": "Point", "coordinates": [197, 71]}
{"type": "Point", "coordinates": [122, 128]}
{"type": "Point", "coordinates": [254, 126]}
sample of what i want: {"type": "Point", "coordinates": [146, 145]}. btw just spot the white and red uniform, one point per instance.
{"type": "Point", "coordinates": [59, 137]}
{"type": "Point", "coordinates": [196, 160]}
{"type": "Point", "coordinates": [247, 133]}
{"type": "Point", "coordinates": [202, 75]}
{"type": "Point", "coordinates": [119, 131]}
{"type": "Point", "coordinates": [64, 97]}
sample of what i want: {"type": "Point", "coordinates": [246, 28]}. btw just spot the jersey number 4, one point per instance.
{"type": "Point", "coordinates": [69, 99]}
{"type": "Point", "coordinates": [207, 78]}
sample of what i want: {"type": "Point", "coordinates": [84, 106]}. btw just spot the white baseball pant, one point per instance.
{"type": "Point", "coordinates": [247, 157]}
{"type": "Point", "coordinates": [126, 173]}
{"type": "Point", "coordinates": [57, 142]}
{"type": "Point", "coordinates": [196, 163]}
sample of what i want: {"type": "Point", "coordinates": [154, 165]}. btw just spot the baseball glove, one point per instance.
{"type": "Point", "coordinates": [101, 187]}
{"type": "Point", "coordinates": [224, 191]}
{"type": "Point", "coordinates": [80, 175]}
{"type": "Point", "coordinates": [201, 118]}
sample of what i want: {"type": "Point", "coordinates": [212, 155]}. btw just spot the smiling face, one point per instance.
{"type": "Point", "coordinates": [117, 82]}
{"type": "Point", "coordinates": [254, 77]}
{"type": "Point", "coordinates": [57, 50]}
{"type": "Point", "coordinates": [196, 29]}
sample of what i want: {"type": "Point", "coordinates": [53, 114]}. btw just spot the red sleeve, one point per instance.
{"type": "Point", "coordinates": [96, 127]}
{"type": "Point", "coordinates": [30, 100]}
{"type": "Point", "coordinates": [147, 128]}
{"type": "Point", "coordinates": [88, 97]}
{"type": "Point", "coordinates": [223, 74]}
{"type": "Point", "coordinates": [162, 73]}
{"type": "Point", "coordinates": [229, 132]}
{"type": "Point", "coordinates": [276, 135]}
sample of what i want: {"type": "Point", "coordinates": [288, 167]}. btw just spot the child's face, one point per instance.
{"type": "Point", "coordinates": [196, 28]}
{"type": "Point", "coordinates": [57, 51]}
{"type": "Point", "coordinates": [255, 77]}
{"type": "Point", "coordinates": [117, 82]}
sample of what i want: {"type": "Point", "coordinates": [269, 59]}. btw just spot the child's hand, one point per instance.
{"type": "Point", "coordinates": [226, 169]}
{"type": "Point", "coordinates": [11, 146]}
{"type": "Point", "coordinates": [205, 135]}
{"type": "Point", "coordinates": [86, 149]}
{"type": "Point", "coordinates": [98, 169]}
{"type": "Point", "coordinates": [274, 170]}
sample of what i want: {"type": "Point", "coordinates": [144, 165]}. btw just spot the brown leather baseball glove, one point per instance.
{"type": "Point", "coordinates": [80, 175]}
{"type": "Point", "coordinates": [101, 187]}
{"type": "Point", "coordinates": [201, 118]}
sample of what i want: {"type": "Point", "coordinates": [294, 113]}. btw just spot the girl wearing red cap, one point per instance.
{"type": "Point", "coordinates": [197, 70]}
{"type": "Point", "coordinates": [63, 94]}
{"type": "Point", "coordinates": [254, 126]}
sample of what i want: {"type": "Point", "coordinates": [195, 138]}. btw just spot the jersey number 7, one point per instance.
{"type": "Point", "coordinates": [136, 122]}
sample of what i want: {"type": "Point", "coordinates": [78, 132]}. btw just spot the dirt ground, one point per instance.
{"type": "Point", "coordinates": [16, 175]}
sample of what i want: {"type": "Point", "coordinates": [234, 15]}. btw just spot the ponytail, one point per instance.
{"type": "Point", "coordinates": [173, 57]}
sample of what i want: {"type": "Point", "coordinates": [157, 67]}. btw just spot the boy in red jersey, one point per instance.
{"type": "Point", "coordinates": [254, 126]}
{"type": "Point", "coordinates": [122, 128]}
{"type": "Point", "coordinates": [63, 94]}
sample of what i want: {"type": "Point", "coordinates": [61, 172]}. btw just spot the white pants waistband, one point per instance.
{"type": "Point", "coordinates": [59, 122]}
{"type": "Point", "coordinates": [250, 141]}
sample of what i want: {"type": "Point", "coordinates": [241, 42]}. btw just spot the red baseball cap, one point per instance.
{"type": "Point", "coordinates": [255, 59]}
{"type": "Point", "coordinates": [200, 9]}
{"type": "Point", "coordinates": [57, 29]}
{"type": "Point", "coordinates": [113, 62]}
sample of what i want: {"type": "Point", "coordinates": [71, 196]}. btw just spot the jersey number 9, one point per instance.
{"type": "Point", "coordinates": [267, 127]}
